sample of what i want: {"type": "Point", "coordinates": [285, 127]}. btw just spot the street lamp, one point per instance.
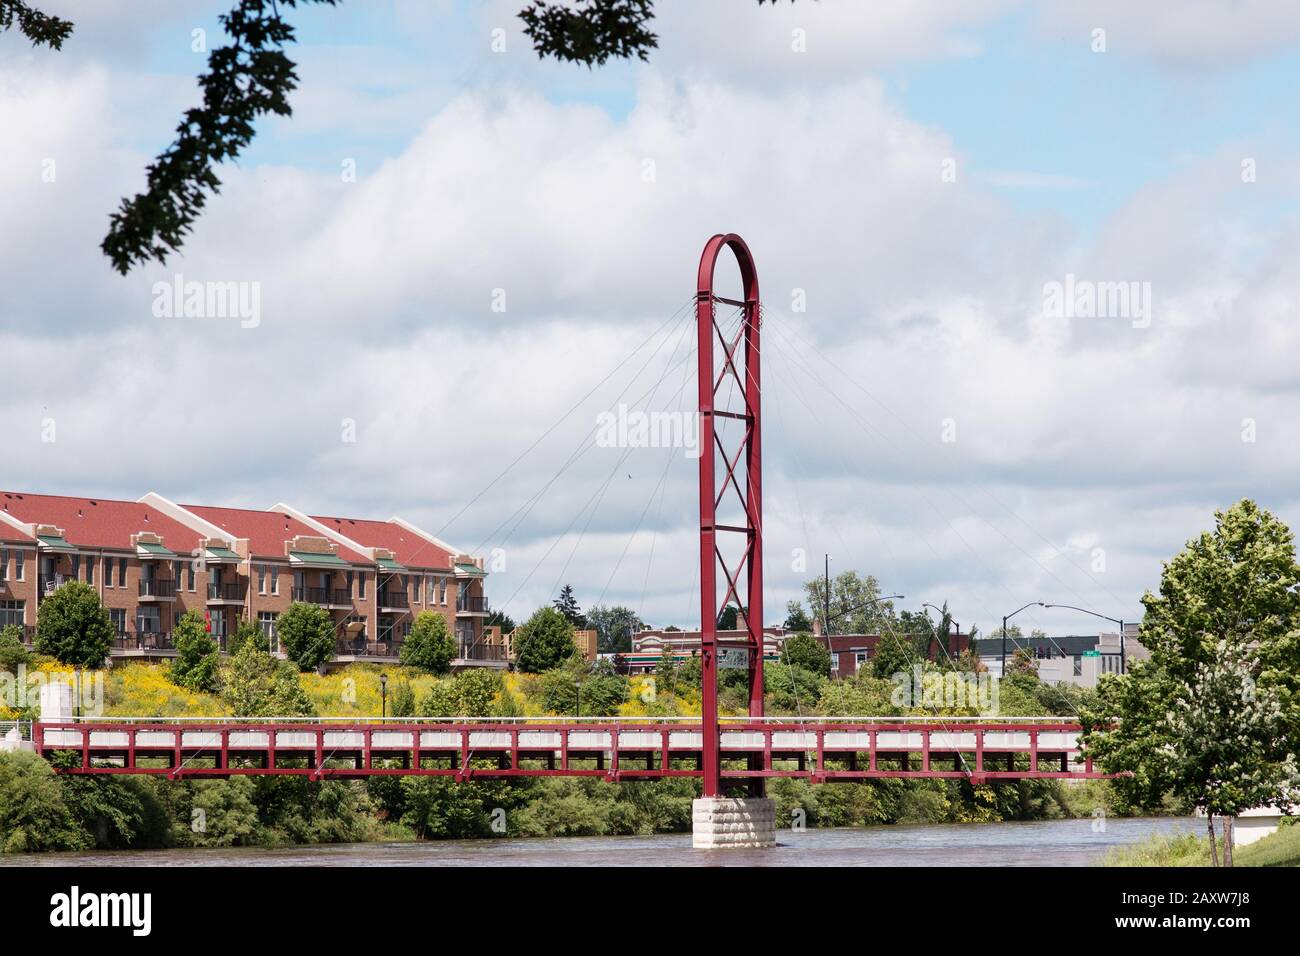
{"type": "Point", "coordinates": [1005, 618]}
{"type": "Point", "coordinates": [942, 612]}
{"type": "Point", "coordinates": [1123, 657]}
{"type": "Point", "coordinates": [578, 684]}
{"type": "Point", "coordinates": [383, 693]}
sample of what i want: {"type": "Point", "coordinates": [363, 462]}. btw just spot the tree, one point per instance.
{"type": "Point", "coordinates": [614, 628]}
{"type": "Point", "coordinates": [500, 619]}
{"type": "Point", "coordinates": [729, 617]}
{"type": "Point", "coordinates": [34, 815]}
{"type": "Point", "coordinates": [565, 691]}
{"type": "Point", "coordinates": [544, 641]}
{"type": "Point", "coordinates": [253, 76]}
{"type": "Point", "coordinates": [1213, 716]}
{"type": "Point", "coordinates": [255, 684]}
{"type": "Point", "coordinates": [796, 618]}
{"type": "Point", "coordinates": [195, 666]}
{"type": "Point", "coordinates": [306, 633]}
{"type": "Point", "coordinates": [403, 699]}
{"type": "Point", "coordinates": [248, 632]}
{"type": "Point", "coordinates": [73, 627]}
{"type": "Point", "coordinates": [429, 646]}
{"type": "Point", "coordinates": [805, 651]}
{"type": "Point", "coordinates": [567, 605]}
{"type": "Point", "coordinates": [855, 605]}
{"type": "Point", "coordinates": [12, 652]}
{"type": "Point", "coordinates": [470, 693]}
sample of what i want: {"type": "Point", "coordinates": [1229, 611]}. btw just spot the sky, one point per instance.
{"type": "Point", "coordinates": [463, 256]}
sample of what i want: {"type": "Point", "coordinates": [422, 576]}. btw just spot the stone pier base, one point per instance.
{"type": "Point", "coordinates": [727, 822]}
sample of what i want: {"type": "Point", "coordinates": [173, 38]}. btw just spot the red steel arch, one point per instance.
{"type": "Point", "coordinates": [746, 459]}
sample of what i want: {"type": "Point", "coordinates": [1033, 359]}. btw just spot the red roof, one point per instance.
{"type": "Point", "coordinates": [99, 522]}
{"type": "Point", "coordinates": [266, 531]}
{"type": "Point", "coordinates": [409, 549]}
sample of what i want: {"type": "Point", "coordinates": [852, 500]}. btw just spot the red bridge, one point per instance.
{"type": "Point", "coordinates": [751, 749]}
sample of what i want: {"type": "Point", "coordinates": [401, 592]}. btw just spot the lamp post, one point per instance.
{"type": "Point", "coordinates": [942, 614]}
{"type": "Point", "coordinates": [383, 694]}
{"type": "Point", "coordinates": [578, 684]}
{"type": "Point", "coordinates": [1123, 657]}
{"type": "Point", "coordinates": [1005, 618]}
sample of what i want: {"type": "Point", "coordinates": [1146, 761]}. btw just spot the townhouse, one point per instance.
{"type": "Point", "coordinates": [152, 560]}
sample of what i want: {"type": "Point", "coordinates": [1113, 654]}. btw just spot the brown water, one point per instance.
{"type": "Point", "coordinates": [1045, 843]}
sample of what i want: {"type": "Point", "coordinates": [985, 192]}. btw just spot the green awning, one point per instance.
{"type": "Point", "coordinates": [312, 557]}
{"type": "Point", "coordinates": [223, 554]}
{"type": "Point", "coordinates": [471, 570]}
{"type": "Point", "coordinates": [157, 550]}
{"type": "Point", "coordinates": [54, 542]}
{"type": "Point", "coordinates": [388, 564]}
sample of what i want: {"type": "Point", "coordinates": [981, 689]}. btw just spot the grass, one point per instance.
{"type": "Point", "coordinates": [1189, 849]}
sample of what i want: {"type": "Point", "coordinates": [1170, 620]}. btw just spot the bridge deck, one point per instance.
{"type": "Point", "coordinates": [822, 751]}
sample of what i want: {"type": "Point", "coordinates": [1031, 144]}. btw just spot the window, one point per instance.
{"type": "Point", "coordinates": [275, 580]}
{"type": "Point", "coordinates": [4, 563]}
{"type": "Point", "coordinates": [118, 616]}
{"type": "Point", "coordinates": [406, 629]}
{"type": "Point", "coordinates": [361, 586]}
{"type": "Point", "coordinates": [108, 572]}
{"type": "Point", "coordinates": [18, 566]}
{"type": "Point", "coordinates": [90, 570]}
{"type": "Point", "coordinates": [176, 573]}
{"type": "Point", "coordinates": [350, 576]}
{"type": "Point", "coordinates": [415, 589]}
{"type": "Point", "coordinates": [385, 628]}
{"type": "Point", "coordinates": [266, 621]}
{"type": "Point", "coordinates": [11, 612]}
{"type": "Point", "coordinates": [148, 620]}
{"type": "Point", "coordinates": [1078, 666]}
{"type": "Point", "coordinates": [121, 572]}
{"type": "Point", "coordinates": [190, 575]}
{"type": "Point", "coordinates": [442, 596]}
{"type": "Point", "coordinates": [261, 579]}
{"type": "Point", "coordinates": [76, 567]}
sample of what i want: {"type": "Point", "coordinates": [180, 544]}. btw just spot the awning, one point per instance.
{"type": "Point", "coordinates": [153, 551]}
{"type": "Point", "coordinates": [470, 570]}
{"type": "Point", "coordinates": [54, 542]}
{"type": "Point", "coordinates": [222, 554]}
{"type": "Point", "coordinates": [388, 564]}
{"type": "Point", "coordinates": [319, 559]}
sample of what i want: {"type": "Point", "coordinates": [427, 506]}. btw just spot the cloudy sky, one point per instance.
{"type": "Point", "coordinates": [513, 253]}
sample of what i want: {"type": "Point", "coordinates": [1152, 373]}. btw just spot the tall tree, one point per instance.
{"type": "Point", "coordinates": [614, 628]}
{"type": "Point", "coordinates": [430, 645]}
{"type": "Point", "coordinates": [855, 605]}
{"type": "Point", "coordinates": [195, 665]}
{"type": "Point", "coordinates": [1214, 716]}
{"type": "Point", "coordinates": [72, 626]}
{"type": "Point", "coordinates": [544, 641]}
{"type": "Point", "coordinates": [567, 605]}
{"type": "Point", "coordinates": [306, 633]}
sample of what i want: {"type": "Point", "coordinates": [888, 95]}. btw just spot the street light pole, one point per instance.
{"type": "Point", "coordinates": [1123, 656]}
{"type": "Point", "coordinates": [383, 694]}
{"type": "Point", "coordinates": [1005, 618]}
{"type": "Point", "coordinates": [942, 615]}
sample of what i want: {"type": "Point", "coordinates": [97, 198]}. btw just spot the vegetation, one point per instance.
{"type": "Point", "coordinates": [12, 652]}
{"type": "Point", "coordinates": [306, 634]}
{"type": "Point", "coordinates": [1277, 849]}
{"type": "Point", "coordinates": [255, 684]}
{"type": "Point", "coordinates": [804, 650]}
{"type": "Point", "coordinates": [1213, 717]}
{"type": "Point", "coordinates": [544, 641]}
{"type": "Point", "coordinates": [73, 627]}
{"type": "Point", "coordinates": [614, 628]}
{"type": "Point", "coordinates": [248, 632]}
{"type": "Point", "coordinates": [429, 646]}
{"type": "Point", "coordinates": [195, 666]}
{"type": "Point", "coordinates": [567, 605]}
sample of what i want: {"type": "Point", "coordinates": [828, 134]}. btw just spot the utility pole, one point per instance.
{"type": "Point", "coordinates": [826, 600]}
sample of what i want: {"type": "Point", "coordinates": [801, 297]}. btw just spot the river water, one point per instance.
{"type": "Point", "coordinates": [1040, 843]}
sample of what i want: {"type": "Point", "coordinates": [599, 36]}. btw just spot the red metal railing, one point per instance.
{"type": "Point", "coordinates": [749, 749]}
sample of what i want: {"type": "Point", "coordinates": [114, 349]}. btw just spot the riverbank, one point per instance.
{"type": "Point", "coordinates": [1193, 849]}
{"type": "Point", "coordinates": [1038, 843]}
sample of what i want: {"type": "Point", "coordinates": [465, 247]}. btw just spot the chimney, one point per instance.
{"type": "Point", "coordinates": [817, 627]}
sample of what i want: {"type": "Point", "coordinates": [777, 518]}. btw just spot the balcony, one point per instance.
{"type": "Point", "coordinates": [394, 600]}
{"type": "Point", "coordinates": [360, 648]}
{"type": "Point", "coordinates": [161, 589]}
{"type": "Point", "coordinates": [50, 582]}
{"type": "Point", "coordinates": [143, 643]}
{"type": "Point", "coordinates": [468, 604]}
{"type": "Point", "coordinates": [483, 652]}
{"type": "Point", "coordinates": [325, 597]}
{"type": "Point", "coordinates": [221, 593]}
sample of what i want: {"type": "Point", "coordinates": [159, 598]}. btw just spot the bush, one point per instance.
{"type": "Point", "coordinates": [255, 684]}
{"type": "Point", "coordinates": [600, 696]}
{"type": "Point", "coordinates": [471, 693]}
{"type": "Point", "coordinates": [544, 641]}
{"type": "Point", "coordinates": [429, 646]}
{"type": "Point", "coordinates": [307, 635]}
{"type": "Point", "coordinates": [195, 666]}
{"type": "Point", "coordinates": [248, 632]}
{"type": "Point", "coordinates": [12, 652]}
{"type": "Point", "coordinates": [73, 627]}
{"type": "Point", "coordinates": [33, 814]}
{"type": "Point", "coordinates": [804, 650]}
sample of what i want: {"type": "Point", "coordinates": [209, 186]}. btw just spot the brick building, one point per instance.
{"type": "Point", "coordinates": [152, 560]}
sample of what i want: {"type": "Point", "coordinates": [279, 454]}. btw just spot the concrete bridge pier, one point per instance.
{"type": "Point", "coordinates": [733, 822]}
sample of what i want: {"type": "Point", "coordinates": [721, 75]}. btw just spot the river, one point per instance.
{"type": "Point", "coordinates": [1038, 843]}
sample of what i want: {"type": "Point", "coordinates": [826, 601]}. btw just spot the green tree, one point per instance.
{"type": "Point", "coordinates": [195, 665]}
{"type": "Point", "coordinates": [12, 652]}
{"type": "Point", "coordinates": [500, 619]}
{"type": "Point", "coordinates": [567, 605]}
{"type": "Point", "coordinates": [572, 690]}
{"type": "Point", "coordinates": [429, 646]}
{"type": "Point", "coordinates": [855, 605]}
{"type": "Point", "coordinates": [729, 618]}
{"type": "Point", "coordinates": [306, 633]}
{"type": "Point", "coordinates": [1213, 716]}
{"type": "Point", "coordinates": [804, 650]}
{"type": "Point", "coordinates": [255, 684]}
{"type": "Point", "coordinates": [34, 815]}
{"type": "Point", "coordinates": [469, 693]}
{"type": "Point", "coordinates": [73, 627]}
{"type": "Point", "coordinates": [796, 618]}
{"type": "Point", "coordinates": [248, 632]}
{"type": "Point", "coordinates": [403, 699]}
{"type": "Point", "coordinates": [544, 641]}
{"type": "Point", "coordinates": [614, 628]}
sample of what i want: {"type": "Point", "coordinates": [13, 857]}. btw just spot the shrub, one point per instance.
{"type": "Point", "coordinates": [195, 666]}
{"type": "Point", "coordinates": [429, 646]}
{"type": "Point", "coordinates": [544, 641]}
{"type": "Point", "coordinates": [307, 635]}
